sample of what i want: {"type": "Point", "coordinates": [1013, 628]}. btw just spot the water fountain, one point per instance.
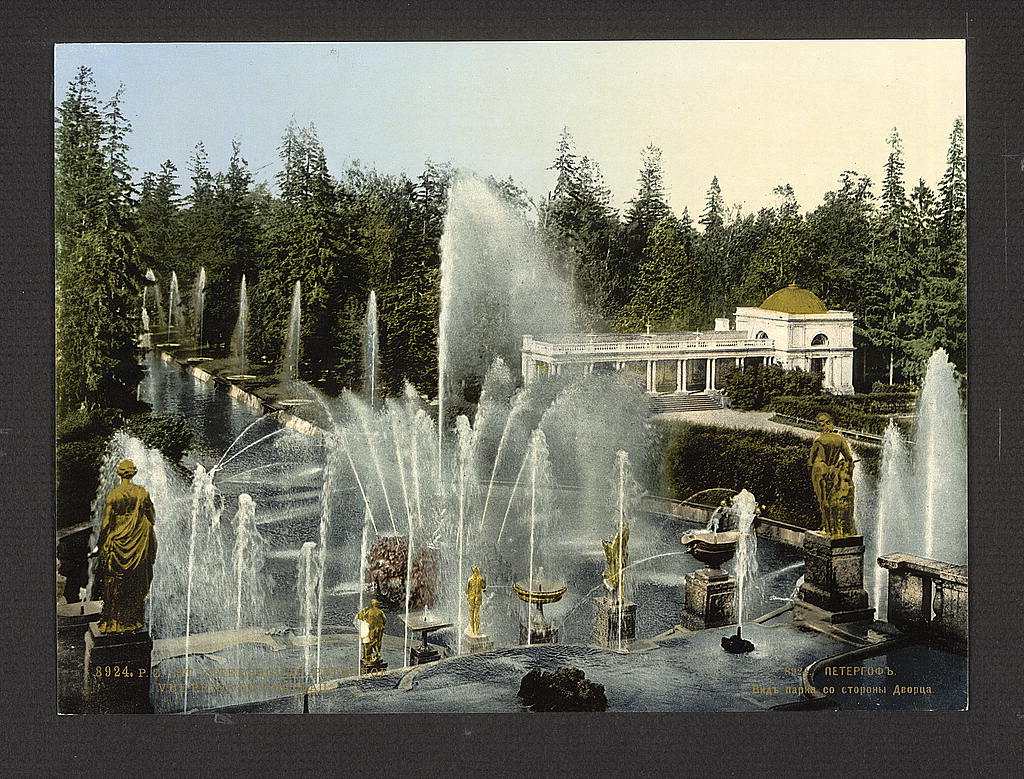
{"type": "Point", "coordinates": [371, 349]}
{"type": "Point", "coordinates": [521, 489]}
{"type": "Point", "coordinates": [239, 337]}
{"type": "Point", "coordinates": [293, 336]}
{"type": "Point", "coordinates": [198, 308]}
{"type": "Point", "coordinates": [940, 463]}
{"type": "Point", "coordinates": [176, 312]}
{"type": "Point", "coordinates": [745, 507]}
{"type": "Point", "coordinates": [920, 501]}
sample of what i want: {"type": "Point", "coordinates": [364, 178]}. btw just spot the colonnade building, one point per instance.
{"type": "Point", "coordinates": [792, 328]}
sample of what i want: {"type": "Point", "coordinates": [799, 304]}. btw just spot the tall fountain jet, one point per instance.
{"type": "Point", "coordinates": [940, 463]}
{"type": "Point", "coordinates": [198, 304]}
{"type": "Point", "coordinates": [153, 289]}
{"type": "Point", "coordinates": [176, 314]}
{"type": "Point", "coordinates": [293, 340]}
{"type": "Point", "coordinates": [922, 493]}
{"type": "Point", "coordinates": [241, 332]}
{"type": "Point", "coordinates": [370, 347]}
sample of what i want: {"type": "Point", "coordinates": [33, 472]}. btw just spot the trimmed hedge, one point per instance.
{"type": "Point", "coordinates": [845, 411]}
{"type": "Point", "coordinates": [753, 388]}
{"type": "Point", "coordinates": [773, 466]}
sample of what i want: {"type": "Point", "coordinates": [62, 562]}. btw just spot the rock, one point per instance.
{"type": "Point", "coordinates": [566, 689]}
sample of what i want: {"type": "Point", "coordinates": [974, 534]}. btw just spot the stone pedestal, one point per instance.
{"type": "Point", "coordinates": [607, 631]}
{"type": "Point", "coordinates": [478, 644]}
{"type": "Point", "coordinates": [538, 632]}
{"type": "Point", "coordinates": [709, 600]}
{"type": "Point", "coordinates": [419, 655]}
{"type": "Point", "coordinates": [834, 577]}
{"type": "Point", "coordinates": [377, 667]}
{"type": "Point", "coordinates": [117, 670]}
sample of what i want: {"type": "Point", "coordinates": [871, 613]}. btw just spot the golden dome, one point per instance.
{"type": "Point", "coordinates": [794, 300]}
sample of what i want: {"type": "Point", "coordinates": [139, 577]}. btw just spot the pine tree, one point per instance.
{"type": "Point", "coordinates": [893, 209]}
{"type": "Point", "coordinates": [953, 189]}
{"type": "Point", "coordinates": [99, 277]}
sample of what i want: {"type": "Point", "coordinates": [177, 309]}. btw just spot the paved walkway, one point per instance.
{"type": "Point", "coordinates": [727, 417]}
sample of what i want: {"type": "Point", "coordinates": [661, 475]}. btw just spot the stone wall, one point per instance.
{"type": "Point", "coordinates": [928, 598]}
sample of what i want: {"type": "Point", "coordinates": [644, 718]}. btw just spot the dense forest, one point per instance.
{"type": "Point", "coordinates": [896, 258]}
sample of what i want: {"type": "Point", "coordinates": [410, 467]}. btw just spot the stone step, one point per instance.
{"type": "Point", "coordinates": [663, 404]}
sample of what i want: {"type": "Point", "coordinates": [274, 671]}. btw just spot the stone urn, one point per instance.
{"type": "Point", "coordinates": [712, 549]}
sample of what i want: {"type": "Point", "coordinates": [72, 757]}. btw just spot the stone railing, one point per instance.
{"type": "Point", "coordinates": [646, 345]}
{"type": "Point", "coordinates": [928, 598]}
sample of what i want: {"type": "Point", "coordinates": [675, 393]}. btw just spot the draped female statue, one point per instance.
{"type": "Point", "coordinates": [127, 550]}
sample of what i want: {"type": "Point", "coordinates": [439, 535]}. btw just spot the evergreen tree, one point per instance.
{"type": "Point", "coordinates": [893, 210]}
{"type": "Point", "coordinates": [99, 278]}
{"type": "Point", "coordinates": [160, 229]}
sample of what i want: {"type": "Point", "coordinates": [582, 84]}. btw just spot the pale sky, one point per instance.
{"type": "Point", "coordinates": [755, 113]}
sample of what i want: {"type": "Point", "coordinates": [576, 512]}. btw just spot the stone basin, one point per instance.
{"type": "Point", "coordinates": [712, 549]}
{"type": "Point", "coordinates": [539, 590]}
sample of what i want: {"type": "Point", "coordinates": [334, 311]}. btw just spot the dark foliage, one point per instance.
{"type": "Point", "coordinates": [773, 466]}
{"type": "Point", "coordinates": [752, 389]}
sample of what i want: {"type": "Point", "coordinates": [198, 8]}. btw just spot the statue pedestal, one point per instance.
{"type": "Point", "coordinates": [419, 655]}
{"type": "Point", "coordinates": [538, 632]}
{"type": "Point", "coordinates": [377, 667]}
{"type": "Point", "coordinates": [614, 624]}
{"type": "Point", "coordinates": [710, 599]}
{"type": "Point", "coordinates": [117, 670]}
{"type": "Point", "coordinates": [478, 644]}
{"type": "Point", "coordinates": [834, 577]}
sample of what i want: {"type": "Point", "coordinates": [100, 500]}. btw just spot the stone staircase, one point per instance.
{"type": "Point", "coordinates": [698, 401]}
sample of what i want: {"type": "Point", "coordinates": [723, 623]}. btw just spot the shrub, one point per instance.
{"type": "Point", "coordinates": [167, 432]}
{"type": "Point", "coordinates": [773, 466]}
{"type": "Point", "coordinates": [754, 388]}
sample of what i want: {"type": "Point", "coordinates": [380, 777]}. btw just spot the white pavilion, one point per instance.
{"type": "Point", "coordinates": [792, 328]}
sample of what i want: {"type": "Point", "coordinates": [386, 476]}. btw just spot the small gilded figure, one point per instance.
{"type": "Point", "coordinates": [831, 465]}
{"type": "Point", "coordinates": [127, 550]}
{"type": "Point", "coordinates": [616, 556]}
{"type": "Point", "coordinates": [475, 595]}
{"type": "Point", "coordinates": [373, 634]}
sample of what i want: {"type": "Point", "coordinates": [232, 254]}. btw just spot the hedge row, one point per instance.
{"type": "Point", "coordinates": [773, 466]}
{"type": "Point", "coordinates": [843, 413]}
{"type": "Point", "coordinates": [753, 388]}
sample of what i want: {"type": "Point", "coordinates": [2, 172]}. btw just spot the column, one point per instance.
{"type": "Point", "coordinates": [679, 375]}
{"type": "Point", "coordinates": [650, 375]}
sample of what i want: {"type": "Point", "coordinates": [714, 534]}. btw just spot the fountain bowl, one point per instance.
{"type": "Point", "coordinates": [169, 346]}
{"type": "Point", "coordinates": [539, 590]}
{"type": "Point", "coordinates": [241, 377]}
{"type": "Point", "coordinates": [712, 549]}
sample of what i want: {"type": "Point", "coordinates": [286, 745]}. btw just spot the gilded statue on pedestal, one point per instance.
{"type": "Point", "coordinates": [475, 594]}
{"type": "Point", "coordinates": [616, 556]}
{"type": "Point", "coordinates": [127, 550]}
{"type": "Point", "coordinates": [375, 621]}
{"type": "Point", "coordinates": [831, 465]}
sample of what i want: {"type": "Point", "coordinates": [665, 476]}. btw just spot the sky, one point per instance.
{"type": "Point", "coordinates": [756, 114]}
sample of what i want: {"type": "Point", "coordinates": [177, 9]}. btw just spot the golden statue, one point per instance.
{"type": "Point", "coordinates": [375, 621]}
{"type": "Point", "coordinates": [831, 464]}
{"type": "Point", "coordinates": [127, 550]}
{"type": "Point", "coordinates": [475, 594]}
{"type": "Point", "coordinates": [616, 556]}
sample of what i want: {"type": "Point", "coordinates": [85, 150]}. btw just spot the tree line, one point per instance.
{"type": "Point", "coordinates": [897, 260]}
